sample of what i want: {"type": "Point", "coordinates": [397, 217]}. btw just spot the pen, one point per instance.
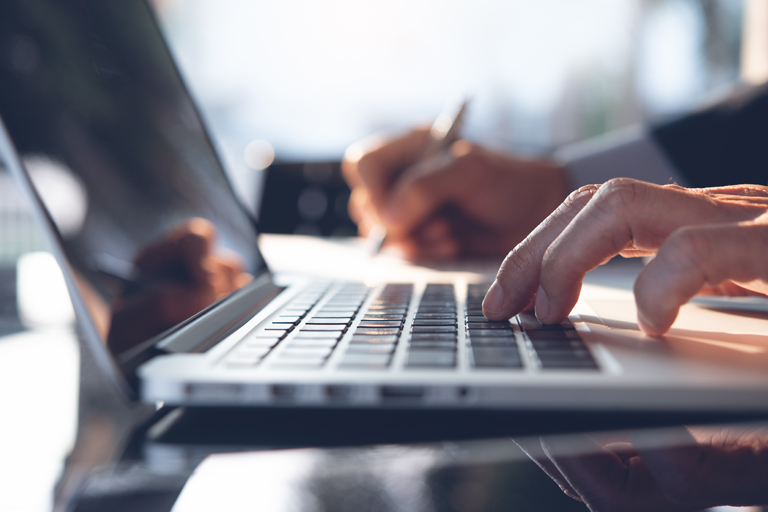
{"type": "Point", "coordinates": [443, 133]}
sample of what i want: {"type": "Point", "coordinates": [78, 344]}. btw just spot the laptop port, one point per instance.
{"type": "Point", "coordinates": [402, 392]}
{"type": "Point", "coordinates": [284, 391]}
{"type": "Point", "coordinates": [338, 392]}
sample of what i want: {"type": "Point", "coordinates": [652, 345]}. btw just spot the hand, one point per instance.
{"type": "Point", "coordinates": [693, 469]}
{"type": "Point", "coordinates": [713, 239]}
{"type": "Point", "coordinates": [467, 200]}
{"type": "Point", "coordinates": [180, 275]}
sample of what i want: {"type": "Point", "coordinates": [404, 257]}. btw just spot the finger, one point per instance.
{"type": "Point", "coordinates": [178, 254]}
{"type": "Point", "coordinates": [729, 289]}
{"type": "Point", "coordinates": [705, 474]}
{"type": "Point", "coordinates": [624, 451]}
{"type": "Point", "coordinates": [624, 214]}
{"type": "Point", "coordinates": [466, 176]}
{"type": "Point", "coordinates": [743, 191]}
{"type": "Point", "coordinates": [377, 168]}
{"type": "Point", "coordinates": [695, 257]}
{"type": "Point", "coordinates": [356, 206]}
{"type": "Point", "coordinates": [603, 480]}
{"type": "Point", "coordinates": [518, 278]}
{"type": "Point", "coordinates": [532, 447]}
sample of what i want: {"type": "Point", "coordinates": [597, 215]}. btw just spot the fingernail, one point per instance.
{"type": "Point", "coordinates": [542, 305]}
{"type": "Point", "coordinates": [493, 302]}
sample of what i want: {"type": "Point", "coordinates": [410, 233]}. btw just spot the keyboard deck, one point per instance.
{"type": "Point", "coordinates": [310, 329]}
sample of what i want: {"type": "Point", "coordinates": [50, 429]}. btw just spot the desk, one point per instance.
{"type": "Point", "coordinates": [114, 468]}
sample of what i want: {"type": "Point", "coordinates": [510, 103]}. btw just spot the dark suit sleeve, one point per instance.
{"type": "Point", "coordinates": [725, 144]}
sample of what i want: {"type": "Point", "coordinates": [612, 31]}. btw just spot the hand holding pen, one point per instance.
{"type": "Point", "coordinates": [441, 197]}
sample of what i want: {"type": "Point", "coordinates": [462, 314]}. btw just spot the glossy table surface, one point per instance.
{"type": "Point", "coordinates": [69, 440]}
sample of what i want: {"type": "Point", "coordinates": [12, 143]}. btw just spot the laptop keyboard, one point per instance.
{"type": "Point", "coordinates": [307, 333]}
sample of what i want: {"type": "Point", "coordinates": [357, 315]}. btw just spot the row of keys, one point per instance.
{"type": "Point", "coordinates": [434, 331]}
{"type": "Point", "coordinates": [493, 344]}
{"type": "Point", "coordinates": [557, 346]}
{"type": "Point", "coordinates": [374, 340]}
{"type": "Point", "coordinates": [258, 344]}
{"type": "Point", "coordinates": [320, 333]}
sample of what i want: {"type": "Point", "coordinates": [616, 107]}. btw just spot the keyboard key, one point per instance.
{"type": "Point", "coordinates": [334, 335]}
{"type": "Point", "coordinates": [380, 323]}
{"type": "Point", "coordinates": [489, 325]}
{"type": "Point", "coordinates": [298, 364]}
{"type": "Point", "coordinates": [433, 345]}
{"type": "Point", "coordinates": [313, 342]}
{"type": "Point", "coordinates": [586, 364]}
{"type": "Point", "coordinates": [391, 304]}
{"type": "Point", "coordinates": [557, 344]}
{"type": "Point", "coordinates": [448, 322]}
{"type": "Point", "coordinates": [435, 316]}
{"type": "Point", "coordinates": [426, 304]}
{"type": "Point", "coordinates": [375, 317]}
{"type": "Point", "coordinates": [553, 335]}
{"type": "Point", "coordinates": [496, 357]}
{"type": "Point", "coordinates": [377, 331]}
{"type": "Point", "coordinates": [305, 352]}
{"type": "Point", "coordinates": [487, 333]}
{"type": "Point", "coordinates": [388, 310]}
{"type": "Point", "coordinates": [493, 341]}
{"type": "Point", "coordinates": [478, 318]}
{"type": "Point", "coordinates": [383, 348]}
{"type": "Point", "coordinates": [572, 354]}
{"type": "Point", "coordinates": [365, 360]}
{"type": "Point", "coordinates": [431, 359]}
{"type": "Point", "coordinates": [373, 340]}
{"type": "Point", "coordinates": [333, 316]}
{"type": "Point", "coordinates": [338, 311]}
{"type": "Point", "coordinates": [436, 329]}
{"type": "Point", "coordinates": [327, 321]}
{"type": "Point", "coordinates": [332, 327]}
{"type": "Point", "coordinates": [433, 337]}
{"type": "Point", "coordinates": [528, 321]}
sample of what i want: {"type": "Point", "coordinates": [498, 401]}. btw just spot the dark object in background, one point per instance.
{"type": "Point", "coordinates": [306, 198]}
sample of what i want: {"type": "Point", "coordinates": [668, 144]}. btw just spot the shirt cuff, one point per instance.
{"type": "Point", "coordinates": [628, 153]}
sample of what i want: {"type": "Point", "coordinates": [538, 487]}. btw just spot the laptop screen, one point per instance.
{"type": "Point", "coordinates": [116, 151]}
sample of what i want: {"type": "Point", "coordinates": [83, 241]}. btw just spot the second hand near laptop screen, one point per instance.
{"type": "Point", "coordinates": [115, 149]}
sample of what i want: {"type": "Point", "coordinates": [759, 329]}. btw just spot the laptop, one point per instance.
{"type": "Point", "coordinates": [177, 304]}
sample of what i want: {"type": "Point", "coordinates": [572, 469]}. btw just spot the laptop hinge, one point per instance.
{"type": "Point", "coordinates": [215, 324]}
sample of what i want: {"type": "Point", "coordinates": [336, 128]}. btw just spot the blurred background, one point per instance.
{"type": "Point", "coordinates": [306, 78]}
{"type": "Point", "coordinates": [292, 84]}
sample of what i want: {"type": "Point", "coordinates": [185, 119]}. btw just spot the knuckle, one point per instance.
{"type": "Point", "coordinates": [520, 260]}
{"type": "Point", "coordinates": [580, 196]}
{"type": "Point", "coordinates": [617, 195]}
{"type": "Point", "coordinates": [467, 154]}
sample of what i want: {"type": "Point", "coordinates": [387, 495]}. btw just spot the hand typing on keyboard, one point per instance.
{"type": "Point", "coordinates": [704, 240]}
